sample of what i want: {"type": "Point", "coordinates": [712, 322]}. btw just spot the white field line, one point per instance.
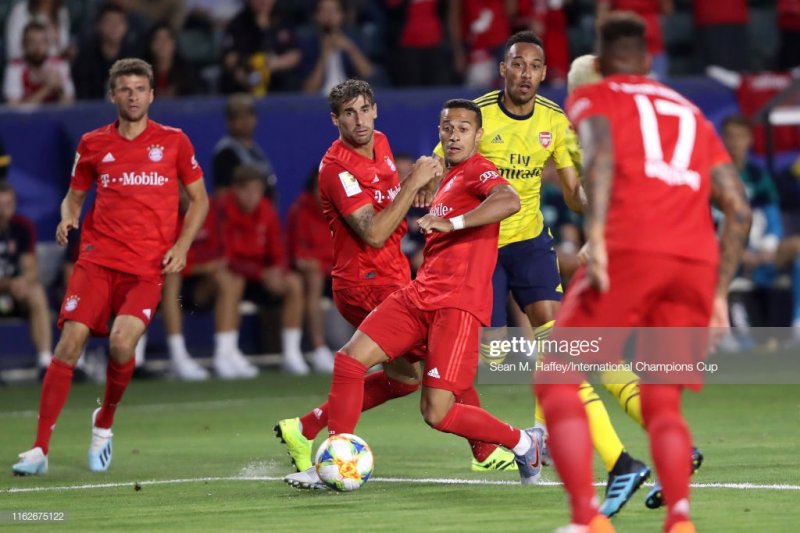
{"type": "Point", "coordinates": [425, 481]}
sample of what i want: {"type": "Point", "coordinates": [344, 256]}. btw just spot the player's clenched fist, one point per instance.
{"type": "Point", "coordinates": [429, 223]}
{"type": "Point", "coordinates": [425, 169]}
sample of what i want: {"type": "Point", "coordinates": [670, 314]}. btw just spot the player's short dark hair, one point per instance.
{"type": "Point", "coordinates": [622, 26]}
{"type": "Point", "coordinates": [735, 120]}
{"type": "Point", "coordinates": [6, 187]}
{"type": "Point", "coordinates": [130, 66]}
{"type": "Point", "coordinates": [244, 174]}
{"type": "Point", "coordinates": [349, 90]}
{"type": "Point", "coordinates": [463, 103]}
{"type": "Point", "coordinates": [33, 25]}
{"type": "Point", "coordinates": [526, 36]}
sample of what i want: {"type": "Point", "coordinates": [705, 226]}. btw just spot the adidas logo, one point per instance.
{"type": "Point", "coordinates": [108, 158]}
{"type": "Point", "coordinates": [433, 373]}
{"type": "Point", "coordinates": [375, 179]}
{"type": "Point", "coordinates": [497, 139]}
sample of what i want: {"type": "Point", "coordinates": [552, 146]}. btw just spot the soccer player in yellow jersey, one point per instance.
{"type": "Point", "coordinates": [522, 132]}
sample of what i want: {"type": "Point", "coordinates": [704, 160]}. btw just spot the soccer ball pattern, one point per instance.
{"type": "Point", "coordinates": [344, 462]}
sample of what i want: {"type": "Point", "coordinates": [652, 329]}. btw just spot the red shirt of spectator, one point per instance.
{"type": "Point", "coordinates": [485, 26]}
{"type": "Point", "coordinates": [423, 26]}
{"type": "Point", "coordinates": [309, 234]}
{"type": "Point", "coordinates": [720, 12]}
{"type": "Point", "coordinates": [789, 15]}
{"type": "Point", "coordinates": [251, 237]}
{"type": "Point", "coordinates": [207, 245]}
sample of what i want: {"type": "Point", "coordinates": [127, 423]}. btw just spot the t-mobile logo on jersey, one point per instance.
{"type": "Point", "coordinates": [440, 210]}
{"type": "Point", "coordinates": [144, 178]}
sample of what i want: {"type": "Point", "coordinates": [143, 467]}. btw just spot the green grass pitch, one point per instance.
{"type": "Point", "coordinates": [206, 459]}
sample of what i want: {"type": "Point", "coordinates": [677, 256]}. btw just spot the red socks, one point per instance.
{"type": "Point", "coordinates": [378, 389]}
{"type": "Point", "coordinates": [476, 424]}
{"type": "Point", "coordinates": [570, 446]}
{"type": "Point", "coordinates": [480, 450]}
{"type": "Point", "coordinates": [347, 394]}
{"type": "Point", "coordinates": [117, 378]}
{"type": "Point", "coordinates": [55, 389]}
{"type": "Point", "coordinates": [670, 446]}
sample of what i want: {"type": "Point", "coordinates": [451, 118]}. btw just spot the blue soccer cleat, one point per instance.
{"type": "Point", "coordinates": [621, 487]}
{"type": "Point", "coordinates": [655, 498]}
{"type": "Point", "coordinates": [530, 464]}
{"type": "Point", "coordinates": [100, 447]}
{"type": "Point", "coordinates": [31, 463]}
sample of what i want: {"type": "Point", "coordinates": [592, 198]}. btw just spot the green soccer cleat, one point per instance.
{"type": "Point", "coordinates": [299, 448]}
{"type": "Point", "coordinates": [500, 459]}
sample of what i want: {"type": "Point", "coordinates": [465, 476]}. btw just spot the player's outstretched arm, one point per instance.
{"type": "Point", "coordinates": [728, 193]}
{"type": "Point", "coordinates": [70, 214]}
{"type": "Point", "coordinates": [175, 258]}
{"type": "Point", "coordinates": [502, 202]}
{"type": "Point", "coordinates": [376, 228]}
{"type": "Point", "coordinates": [424, 197]}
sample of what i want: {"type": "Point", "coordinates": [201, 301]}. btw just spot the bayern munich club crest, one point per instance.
{"type": "Point", "coordinates": [71, 304]}
{"type": "Point", "coordinates": [156, 153]}
{"type": "Point", "coordinates": [544, 138]}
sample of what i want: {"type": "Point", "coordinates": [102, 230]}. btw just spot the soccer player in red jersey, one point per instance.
{"type": "Point", "coordinates": [446, 304]}
{"type": "Point", "coordinates": [129, 242]}
{"type": "Point", "coordinates": [365, 205]}
{"type": "Point", "coordinates": [653, 258]}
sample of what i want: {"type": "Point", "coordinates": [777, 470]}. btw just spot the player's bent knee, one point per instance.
{"type": "Point", "coordinates": [404, 371]}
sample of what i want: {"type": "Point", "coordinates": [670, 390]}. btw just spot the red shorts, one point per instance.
{"type": "Point", "coordinates": [355, 303]}
{"type": "Point", "coordinates": [95, 293]}
{"type": "Point", "coordinates": [451, 362]}
{"type": "Point", "coordinates": [654, 291]}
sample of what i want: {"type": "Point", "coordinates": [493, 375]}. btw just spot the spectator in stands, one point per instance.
{"type": "Point", "coordinates": [789, 26]}
{"type": "Point", "coordinates": [210, 14]}
{"type": "Point", "coordinates": [240, 147]}
{"type": "Point", "coordinates": [257, 54]}
{"type": "Point", "coordinates": [650, 11]}
{"type": "Point", "coordinates": [254, 250]}
{"type": "Point", "coordinates": [105, 46]}
{"type": "Point", "coordinates": [720, 30]}
{"type": "Point", "coordinates": [205, 281]}
{"type": "Point", "coordinates": [331, 54]}
{"type": "Point", "coordinates": [169, 12]}
{"type": "Point", "coordinates": [36, 77]}
{"type": "Point", "coordinates": [769, 249]}
{"type": "Point", "coordinates": [478, 32]}
{"type": "Point", "coordinates": [50, 13]}
{"type": "Point", "coordinates": [174, 75]}
{"type": "Point", "coordinates": [138, 25]}
{"type": "Point", "coordinates": [5, 161]}
{"type": "Point", "coordinates": [415, 43]}
{"type": "Point", "coordinates": [788, 254]}
{"type": "Point", "coordinates": [20, 288]}
{"type": "Point", "coordinates": [311, 254]}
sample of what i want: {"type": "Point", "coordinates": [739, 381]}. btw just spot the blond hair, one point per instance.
{"type": "Point", "coordinates": [582, 72]}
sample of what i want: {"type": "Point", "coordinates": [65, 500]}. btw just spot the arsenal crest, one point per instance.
{"type": "Point", "coordinates": [544, 138]}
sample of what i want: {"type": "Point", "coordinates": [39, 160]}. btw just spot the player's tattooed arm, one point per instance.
{"type": "Point", "coordinates": [375, 228]}
{"type": "Point", "coordinates": [598, 150]}
{"type": "Point", "coordinates": [728, 193]}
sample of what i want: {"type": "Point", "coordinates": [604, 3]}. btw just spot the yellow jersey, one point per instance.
{"type": "Point", "coordinates": [520, 145]}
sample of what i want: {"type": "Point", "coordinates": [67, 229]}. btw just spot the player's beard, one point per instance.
{"type": "Point", "coordinates": [518, 100]}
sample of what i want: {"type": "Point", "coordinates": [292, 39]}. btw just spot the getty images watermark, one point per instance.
{"type": "Point", "coordinates": [690, 356]}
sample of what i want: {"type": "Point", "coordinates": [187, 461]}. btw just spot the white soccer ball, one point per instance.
{"type": "Point", "coordinates": [344, 462]}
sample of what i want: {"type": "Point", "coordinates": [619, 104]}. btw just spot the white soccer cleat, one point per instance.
{"type": "Point", "coordinates": [31, 463]}
{"type": "Point", "coordinates": [307, 479]}
{"type": "Point", "coordinates": [322, 360]}
{"type": "Point", "coordinates": [187, 369]}
{"type": "Point", "coordinates": [99, 447]}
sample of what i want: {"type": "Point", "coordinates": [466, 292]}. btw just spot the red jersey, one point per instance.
{"type": "Point", "coordinates": [207, 245]}
{"type": "Point", "coordinates": [664, 149]}
{"type": "Point", "coordinates": [458, 266]}
{"type": "Point", "coordinates": [252, 241]}
{"type": "Point", "coordinates": [347, 182]}
{"type": "Point", "coordinates": [485, 25]}
{"type": "Point", "coordinates": [308, 232]}
{"type": "Point", "coordinates": [135, 214]}
{"type": "Point", "coordinates": [719, 12]}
